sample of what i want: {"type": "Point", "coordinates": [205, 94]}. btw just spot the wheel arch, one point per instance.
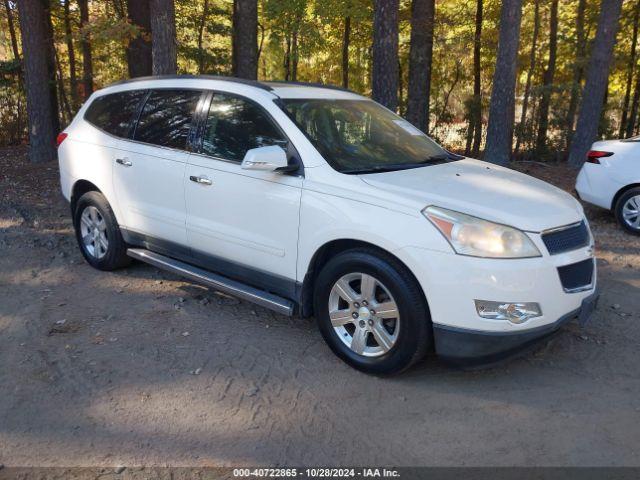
{"type": "Point", "coordinates": [621, 192]}
{"type": "Point", "coordinates": [329, 250]}
{"type": "Point", "coordinates": [80, 188]}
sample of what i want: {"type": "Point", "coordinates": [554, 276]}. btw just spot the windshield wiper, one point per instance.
{"type": "Point", "coordinates": [385, 168]}
{"type": "Point", "coordinates": [454, 156]}
{"type": "Point", "coordinates": [447, 156]}
{"type": "Point", "coordinates": [430, 160]}
{"type": "Point", "coordinates": [436, 158]}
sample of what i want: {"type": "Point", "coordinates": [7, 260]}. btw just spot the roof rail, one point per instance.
{"type": "Point", "coordinates": [309, 84]}
{"type": "Point", "coordinates": [252, 83]}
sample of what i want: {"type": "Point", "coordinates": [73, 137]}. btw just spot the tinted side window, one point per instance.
{"type": "Point", "coordinates": [113, 113]}
{"type": "Point", "coordinates": [166, 118]}
{"type": "Point", "coordinates": [234, 126]}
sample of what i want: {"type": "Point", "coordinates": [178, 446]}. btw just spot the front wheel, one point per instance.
{"type": "Point", "coordinates": [627, 210]}
{"type": "Point", "coordinates": [371, 312]}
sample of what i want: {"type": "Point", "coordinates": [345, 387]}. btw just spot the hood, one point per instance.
{"type": "Point", "coordinates": [484, 190]}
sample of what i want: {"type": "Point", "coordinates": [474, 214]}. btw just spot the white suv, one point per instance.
{"type": "Point", "coordinates": [311, 200]}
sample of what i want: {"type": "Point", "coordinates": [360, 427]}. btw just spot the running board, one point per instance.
{"type": "Point", "coordinates": [215, 281]}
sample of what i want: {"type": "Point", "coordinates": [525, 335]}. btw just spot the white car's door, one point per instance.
{"type": "Point", "coordinates": [242, 223]}
{"type": "Point", "coordinates": [149, 174]}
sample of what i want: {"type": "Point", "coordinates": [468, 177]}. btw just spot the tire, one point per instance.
{"type": "Point", "coordinates": [408, 328]}
{"type": "Point", "coordinates": [96, 209]}
{"type": "Point", "coordinates": [627, 204]}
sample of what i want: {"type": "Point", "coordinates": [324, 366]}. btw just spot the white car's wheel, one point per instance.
{"type": "Point", "coordinates": [98, 233]}
{"type": "Point", "coordinates": [627, 210]}
{"type": "Point", "coordinates": [364, 314]}
{"type": "Point", "coordinates": [371, 311]}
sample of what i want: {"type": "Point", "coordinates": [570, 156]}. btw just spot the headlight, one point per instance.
{"type": "Point", "coordinates": [480, 238]}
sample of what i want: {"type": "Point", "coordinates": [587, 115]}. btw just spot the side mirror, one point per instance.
{"type": "Point", "coordinates": [269, 159]}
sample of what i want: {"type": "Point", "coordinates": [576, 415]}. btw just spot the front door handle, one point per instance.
{"type": "Point", "coordinates": [200, 180]}
{"type": "Point", "coordinates": [125, 162]}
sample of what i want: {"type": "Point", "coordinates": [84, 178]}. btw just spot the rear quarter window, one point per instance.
{"type": "Point", "coordinates": [114, 112]}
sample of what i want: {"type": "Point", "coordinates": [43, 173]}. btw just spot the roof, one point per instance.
{"type": "Point", "coordinates": [244, 81]}
{"type": "Point", "coordinates": [278, 88]}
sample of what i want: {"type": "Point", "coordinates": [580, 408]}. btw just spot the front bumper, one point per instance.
{"type": "Point", "coordinates": [466, 346]}
{"type": "Point", "coordinates": [452, 282]}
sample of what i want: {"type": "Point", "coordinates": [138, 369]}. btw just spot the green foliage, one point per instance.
{"type": "Point", "coordinates": [10, 70]}
{"type": "Point", "coordinates": [215, 23]}
{"type": "Point", "coordinates": [13, 115]}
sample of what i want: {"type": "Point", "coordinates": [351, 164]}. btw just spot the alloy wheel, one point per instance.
{"type": "Point", "coordinates": [93, 230]}
{"type": "Point", "coordinates": [631, 212]}
{"type": "Point", "coordinates": [364, 314]}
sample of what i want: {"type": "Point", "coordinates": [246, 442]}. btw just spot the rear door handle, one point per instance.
{"type": "Point", "coordinates": [125, 162]}
{"type": "Point", "coordinates": [200, 180]}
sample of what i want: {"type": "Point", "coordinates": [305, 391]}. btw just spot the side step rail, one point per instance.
{"type": "Point", "coordinates": [218, 282]}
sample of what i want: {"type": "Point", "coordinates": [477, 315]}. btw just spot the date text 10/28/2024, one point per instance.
{"type": "Point", "coordinates": [316, 472]}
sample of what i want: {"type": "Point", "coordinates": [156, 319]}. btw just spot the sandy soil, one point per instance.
{"type": "Point", "coordinates": [138, 367]}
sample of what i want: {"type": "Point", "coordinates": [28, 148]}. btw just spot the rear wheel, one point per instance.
{"type": "Point", "coordinates": [98, 233]}
{"type": "Point", "coordinates": [371, 312]}
{"type": "Point", "coordinates": [627, 210]}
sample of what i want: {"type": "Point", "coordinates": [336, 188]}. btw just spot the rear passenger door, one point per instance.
{"type": "Point", "coordinates": [242, 223]}
{"type": "Point", "coordinates": [149, 174]}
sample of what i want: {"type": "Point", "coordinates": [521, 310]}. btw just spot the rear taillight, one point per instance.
{"type": "Point", "coordinates": [594, 156]}
{"type": "Point", "coordinates": [60, 138]}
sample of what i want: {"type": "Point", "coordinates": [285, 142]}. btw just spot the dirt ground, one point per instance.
{"type": "Point", "coordinates": [137, 367]}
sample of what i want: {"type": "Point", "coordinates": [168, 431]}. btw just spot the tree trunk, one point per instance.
{"type": "Point", "coordinates": [245, 38]}
{"type": "Point", "coordinates": [163, 42]}
{"type": "Point", "coordinates": [12, 31]}
{"type": "Point", "coordinates": [346, 39]}
{"type": "Point", "coordinates": [294, 55]}
{"type": "Point", "coordinates": [73, 81]}
{"type": "Point", "coordinates": [547, 85]}
{"type": "Point", "coordinates": [634, 109]}
{"type": "Point", "coordinates": [447, 96]}
{"type": "Point", "coordinates": [119, 7]}
{"type": "Point", "coordinates": [532, 65]}
{"type": "Point", "coordinates": [401, 105]}
{"type": "Point", "coordinates": [420, 59]}
{"type": "Point", "coordinates": [63, 102]}
{"type": "Point", "coordinates": [287, 59]}
{"type": "Point", "coordinates": [474, 130]}
{"type": "Point", "coordinates": [630, 71]}
{"type": "Point", "coordinates": [384, 81]}
{"type": "Point", "coordinates": [51, 65]}
{"type": "Point", "coordinates": [85, 44]}
{"type": "Point", "coordinates": [603, 123]}
{"type": "Point", "coordinates": [596, 84]}
{"type": "Point", "coordinates": [139, 59]}
{"type": "Point", "coordinates": [262, 35]}
{"type": "Point", "coordinates": [501, 109]}
{"type": "Point", "coordinates": [203, 23]}
{"type": "Point", "coordinates": [234, 41]}
{"type": "Point", "coordinates": [578, 71]}
{"type": "Point", "coordinates": [40, 79]}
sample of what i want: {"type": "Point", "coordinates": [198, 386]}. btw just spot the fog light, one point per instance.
{"type": "Point", "coordinates": [514, 312]}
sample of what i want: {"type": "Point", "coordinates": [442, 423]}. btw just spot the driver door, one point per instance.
{"type": "Point", "coordinates": [242, 223]}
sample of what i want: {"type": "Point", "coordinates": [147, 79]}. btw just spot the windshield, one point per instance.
{"type": "Point", "coordinates": [360, 136]}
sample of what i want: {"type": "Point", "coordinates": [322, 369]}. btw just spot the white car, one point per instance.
{"type": "Point", "coordinates": [610, 178]}
{"type": "Point", "coordinates": [317, 201]}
